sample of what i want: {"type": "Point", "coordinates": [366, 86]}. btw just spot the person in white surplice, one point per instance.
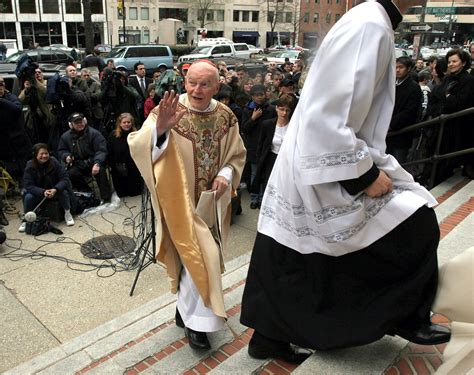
{"type": "Point", "coordinates": [346, 245]}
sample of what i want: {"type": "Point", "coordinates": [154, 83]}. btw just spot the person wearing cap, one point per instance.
{"type": "Point", "coordinates": [84, 151]}
{"type": "Point", "coordinates": [287, 86]}
{"type": "Point", "coordinates": [189, 152]}
{"type": "Point", "coordinates": [254, 114]}
{"type": "Point", "coordinates": [346, 249]}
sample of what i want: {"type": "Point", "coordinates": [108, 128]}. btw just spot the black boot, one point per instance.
{"type": "Point", "coordinates": [262, 347]}
{"type": "Point", "coordinates": [197, 340]}
{"type": "Point", "coordinates": [426, 334]}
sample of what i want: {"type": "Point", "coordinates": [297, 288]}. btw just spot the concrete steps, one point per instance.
{"type": "Point", "coordinates": [146, 339]}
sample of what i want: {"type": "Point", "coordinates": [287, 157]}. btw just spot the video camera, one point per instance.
{"type": "Point", "coordinates": [25, 68]}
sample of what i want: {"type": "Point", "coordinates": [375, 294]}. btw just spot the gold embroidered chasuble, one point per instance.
{"type": "Point", "coordinates": [199, 146]}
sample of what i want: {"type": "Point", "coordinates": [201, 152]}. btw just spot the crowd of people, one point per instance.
{"type": "Point", "coordinates": [102, 95]}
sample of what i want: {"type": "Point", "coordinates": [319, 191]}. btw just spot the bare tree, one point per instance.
{"type": "Point", "coordinates": [275, 15]}
{"type": "Point", "coordinates": [296, 20]}
{"type": "Point", "coordinates": [203, 7]}
{"type": "Point", "coordinates": [88, 30]}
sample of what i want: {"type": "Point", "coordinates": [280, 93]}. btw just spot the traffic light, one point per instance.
{"type": "Point", "coordinates": [121, 8]}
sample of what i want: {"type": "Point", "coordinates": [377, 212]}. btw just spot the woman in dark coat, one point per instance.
{"type": "Point", "coordinates": [45, 177]}
{"type": "Point", "coordinates": [125, 175]}
{"type": "Point", "coordinates": [271, 137]}
{"type": "Point", "coordinates": [455, 93]}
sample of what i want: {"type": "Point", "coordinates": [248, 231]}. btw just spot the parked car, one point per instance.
{"type": "Point", "coordinates": [280, 56]}
{"type": "Point", "coordinates": [276, 47]}
{"type": "Point", "coordinates": [151, 55]}
{"type": "Point", "coordinates": [255, 50]}
{"type": "Point", "coordinates": [218, 51]}
{"type": "Point", "coordinates": [43, 55]}
{"type": "Point", "coordinates": [11, 44]}
{"type": "Point", "coordinates": [253, 66]}
{"type": "Point", "coordinates": [103, 49]}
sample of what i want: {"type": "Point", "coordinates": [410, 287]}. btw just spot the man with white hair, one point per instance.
{"type": "Point", "coordinates": [189, 145]}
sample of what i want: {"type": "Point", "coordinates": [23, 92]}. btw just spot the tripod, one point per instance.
{"type": "Point", "coordinates": [149, 254]}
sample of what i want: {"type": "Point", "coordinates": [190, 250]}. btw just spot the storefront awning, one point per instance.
{"type": "Point", "coordinates": [248, 34]}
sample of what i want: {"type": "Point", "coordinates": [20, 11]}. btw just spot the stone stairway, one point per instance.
{"type": "Point", "coordinates": [147, 341]}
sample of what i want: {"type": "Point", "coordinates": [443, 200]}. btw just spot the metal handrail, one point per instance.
{"type": "Point", "coordinates": [436, 157]}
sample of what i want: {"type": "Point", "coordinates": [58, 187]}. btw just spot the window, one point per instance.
{"type": "Point", "coordinates": [245, 16]}
{"type": "Point", "coordinates": [221, 49]}
{"type": "Point", "coordinates": [119, 14]}
{"type": "Point", "coordinates": [270, 17]}
{"type": "Point", "coordinates": [180, 14]}
{"type": "Point", "coordinates": [329, 1]}
{"type": "Point", "coordinates": [279, 17]}
{"type": "Point", "coordinates": [200, 15]}
{"type": "Point", "coordinates": [50, 6]}
{"type": "Point", "coordinates": [6, 6]}
{"type": "Point", "coordinates": [27, 6]}
{"type": "Point", "coordinates": [254, 16]}
{"type": "Point", "coordinates": [96, 7]}
{"type": "Point", "coordinates": [306, 17]}
{"type": "Point", "coordinates": [133, 13]}
{"type": "Point", "coordinates": [145, 15]}
{"type": "Point", "coordinates": [316, 1]}
{"type": "Point", "coordinates": [210, 15]}
{"type": "Point", "coordinates": [241, 47]}
{"type": "Point", "coordinates": [73, 6]}
{"type": "Point", "coordinates": [8, 31]}
{"type": "Point", "coordinates": [328, 18]}
{"type": "Point", "coordinates": [337, 17]}
{"type": "Point", "coordinates": [288, 17]}
{"type": "Point", "coordinates": [146, 35]}
{"type": "Point", "coordinates": [236, 16]}
{"type": "Point", "coordinates": [220, 15]}
{"type": "Point", "coordinates": [338, 1]}
{"type": "Point", "coordinates": [316, 18]}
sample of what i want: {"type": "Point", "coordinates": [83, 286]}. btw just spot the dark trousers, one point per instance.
{"type": "Point", "coordinates": [30, 201]}
{"type": "Point", "coordinates": [81, 176]}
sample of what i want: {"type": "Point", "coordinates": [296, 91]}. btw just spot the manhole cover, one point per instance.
{"type": "Point", "coordinates": [108, 247]}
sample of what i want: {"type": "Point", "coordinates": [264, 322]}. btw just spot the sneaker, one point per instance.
{"type": "Point", "coordinates": [22, 228]}
{"type": "Point", "coordinates": [68, 218]}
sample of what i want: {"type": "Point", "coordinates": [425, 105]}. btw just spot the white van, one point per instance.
{"type": "Point", "coordinates": [11, 45]}
{"type": "Point", "coordinates": [217, 51]}
{"type": "Point", "coordinates": [213, 41]}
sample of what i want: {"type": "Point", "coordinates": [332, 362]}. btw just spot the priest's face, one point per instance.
{"type": "Point", "coordinates": [202, 83]}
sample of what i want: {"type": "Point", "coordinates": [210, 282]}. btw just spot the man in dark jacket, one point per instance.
{"type": "Point", "coordinates": [15, 145]}
{"type": "Point", "coordinates": [257, 111]}
{"type": "Point", "coordinates": [407, 109]}
{"type": "Point", "coordinates": [84, 150]}
{"type": "Point", "coordinates": [140, 83]}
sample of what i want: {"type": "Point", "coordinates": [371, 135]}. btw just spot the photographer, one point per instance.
{"type": "Point", "coordinates": [92, 91]}
{"type": "Point", "coordinates": [15, 144]}
{"type": "Point", "coordinates": [84, 150]}
{"type": "Point", "coordinates": [116, 98]}
{"type": "Point", "coordinates": [38, 119]}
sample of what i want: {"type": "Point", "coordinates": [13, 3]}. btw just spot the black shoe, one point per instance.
{"type": "Point", "coordinates": [278, 350]}
{"type": "Point", "coordinates": [3, 219]}
{"type": "Point", "coordinates": [178, 320]}
{"type": "Point", "coordinates": [197, 340]}
{"type": "Point", "coordinates": [427, 334]}
{"type": "Point", "coordinates": [254, 205]}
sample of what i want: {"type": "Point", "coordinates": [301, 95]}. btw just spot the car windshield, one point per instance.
{"type": "Point", "coordinates": [13, 58]}
{"type": "Point", "coordinates": [116, 52]}
{"type": "Point", "coordinates": [204, 49]}
{"type": "Point", "coordinates": [284, 54]}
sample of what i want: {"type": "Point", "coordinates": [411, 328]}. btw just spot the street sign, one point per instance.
{"type": "Point", "coordinates": [420, 27]}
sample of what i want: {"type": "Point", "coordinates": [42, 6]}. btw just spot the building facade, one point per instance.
{"type": "Point", "coordinates": [259, 22]}
{"type": "Point", "coordinates": [45, 22]}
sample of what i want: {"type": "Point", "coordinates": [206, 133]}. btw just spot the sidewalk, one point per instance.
{"type": "Point", "coordinates": [146, 340]}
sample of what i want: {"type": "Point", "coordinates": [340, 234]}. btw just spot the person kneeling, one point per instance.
{"type": "Point", "coordinates": [44, 177]}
